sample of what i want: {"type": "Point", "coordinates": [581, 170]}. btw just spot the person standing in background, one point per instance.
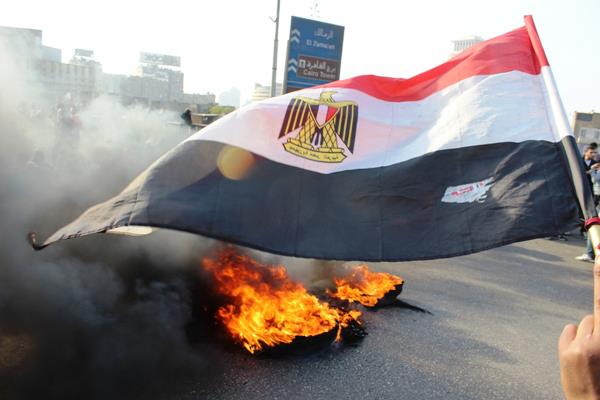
{"type": "Point", "coordinates": [591, 166]}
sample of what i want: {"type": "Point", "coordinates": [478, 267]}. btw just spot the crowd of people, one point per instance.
{"type": "Point", "coordinates": [67, 130]}
{"type": "Point", "coordinates": [66, 134]}
{"type": "Point", "coordinates": [64, 122]}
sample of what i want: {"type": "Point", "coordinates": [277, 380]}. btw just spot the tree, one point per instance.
{"type": "Point", "coordinates": [221, 110]}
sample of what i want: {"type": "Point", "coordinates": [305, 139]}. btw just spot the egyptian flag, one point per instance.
{"type": "Point", "coordinates": [473, 154]}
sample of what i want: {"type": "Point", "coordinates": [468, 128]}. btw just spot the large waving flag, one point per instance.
{"type": "Point", "coordinates": [473, 154]}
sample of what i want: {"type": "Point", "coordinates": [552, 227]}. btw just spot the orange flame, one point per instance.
{"type": "Point", "coordinates": [364, 286]}
{"type": "Point", "coordinates": [266, 306]}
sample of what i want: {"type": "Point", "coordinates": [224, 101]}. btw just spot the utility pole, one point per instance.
{"type": "Point", "coordinates": [274, 76]}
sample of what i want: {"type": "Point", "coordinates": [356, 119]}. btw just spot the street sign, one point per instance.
{"type": "Point", "coordinates": [314, 54]}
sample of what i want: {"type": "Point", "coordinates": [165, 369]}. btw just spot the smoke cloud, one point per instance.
{"type": "Point", "coordinates": [103, 316]}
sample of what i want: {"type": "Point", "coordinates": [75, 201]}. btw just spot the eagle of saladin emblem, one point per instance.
{"type": "Point", "coordinates": [319, 124]}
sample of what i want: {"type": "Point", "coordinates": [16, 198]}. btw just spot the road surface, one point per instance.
{"type": "Point", "coordinates": [491, 331]}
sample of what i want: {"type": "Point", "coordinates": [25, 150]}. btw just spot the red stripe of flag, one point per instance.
{"type": "Point", "coordinates": [518, 50]}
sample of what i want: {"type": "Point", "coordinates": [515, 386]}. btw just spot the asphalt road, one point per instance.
{"type": "Point", "coordinates": [491, 332]}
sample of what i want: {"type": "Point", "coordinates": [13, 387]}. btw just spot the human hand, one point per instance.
{"type": "Point", "coordinates": [579, 352]}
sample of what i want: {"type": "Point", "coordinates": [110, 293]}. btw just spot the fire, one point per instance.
{"type": "Point", "coordinates": [364, 286]}
{"type": "Point", "coordinates": [265, 307]}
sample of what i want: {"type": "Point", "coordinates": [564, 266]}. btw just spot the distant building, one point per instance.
{"type": "Point", "coordinates": [262, 92]}
{"type": "Point", "coordinates": [51, 54]}
{"type": "Point", "coordinates": [80, 82]}
{"type": "Point", "coordinates": [158, 79]}
{"type": "Point", "coordinates": [200, 103]}
{"type": "Point", "coordinates": [197, 98]}
{"type": "Point", "coordinates": [43, 65]}
{"type": "Point", "coordinates": [464, 43]}
{"type": "Point", "coordinates": [112, 84]}
{"type": "Point", "coordinates": [24, 44]}
{"type": "Point", "coordinates": [586, 128]}
{"type": "Point", "coordinates": [158, 82]}
{"type": "Point", "coordinates": [230, 97]}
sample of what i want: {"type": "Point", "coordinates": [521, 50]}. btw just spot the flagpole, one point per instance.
{"type": "Point", "coordinates": [592, 222]}
{"type": "Point", "coordinates": [275, 44]}
{"type": "Point", "coordinates": [563, 130]}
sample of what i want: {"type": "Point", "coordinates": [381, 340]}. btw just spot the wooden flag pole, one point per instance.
{"type": "Point", "coordinates": [594, 232]}
{"type": "Point", "coordinates": [558, 116]}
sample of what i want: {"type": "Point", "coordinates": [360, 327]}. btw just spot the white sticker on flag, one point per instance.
{"type": "Point", "coordinates": [468, 193]}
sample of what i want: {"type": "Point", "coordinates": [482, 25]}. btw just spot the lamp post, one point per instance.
{"type": "Point", "coordinates": [274, 76]}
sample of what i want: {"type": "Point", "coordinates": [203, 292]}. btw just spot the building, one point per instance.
{"type": "Point", "coordinates": [161, 79]}
{"type": "Point", "coordinates": [42, 65]}
{"type": "Point", "coordinates": [157, 83]}
{"type": "Point", "coordinates": [230, 97]}
{"type": "Point", "coordinates": [199, 103]}
{"type": "Point", "coordinates": [586, 128]}
{"type": "Point", "coordinates": [464, 43]}
{"type": "Point", "coordinates": [24, 46]}
{"type": "Point", "coordinates": [78, 81]}
{"type": "Point", "coordinates": [197, 98]}
{"type": "Point", "coordinates": [112, 84]}
{"type": "Point", "coordinates": [51, 54]}
{"type": "Point", "coordinates": [262, 92]}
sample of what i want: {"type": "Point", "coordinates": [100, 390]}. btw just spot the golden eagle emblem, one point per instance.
{"type": "Point", "coordinates": [320, 122]}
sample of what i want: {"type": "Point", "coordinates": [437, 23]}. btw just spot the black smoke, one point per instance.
{"type": "Point", "coordinates": [104, 316]}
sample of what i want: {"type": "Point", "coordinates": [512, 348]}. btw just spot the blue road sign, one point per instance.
{"type": "Point", "coordinates": [314, 54]}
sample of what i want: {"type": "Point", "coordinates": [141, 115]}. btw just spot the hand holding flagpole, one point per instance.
{"type": "Point", "coordinates": [579, 352]}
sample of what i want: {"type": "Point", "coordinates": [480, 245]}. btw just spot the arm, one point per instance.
{"type": "Point", "coordinates": [595, 172]}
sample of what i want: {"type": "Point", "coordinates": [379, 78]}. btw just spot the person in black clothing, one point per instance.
{"type": "Point", "coordinates": [589, 162]}
{"type": "Point", "coordinates": [187, 117]}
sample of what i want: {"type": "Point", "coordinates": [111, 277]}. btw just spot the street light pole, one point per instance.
{"type": "Point", "coordinates": [274, 76]}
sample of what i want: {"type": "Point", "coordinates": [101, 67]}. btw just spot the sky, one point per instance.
{"type": "Point", "coordinates": [229, 43]}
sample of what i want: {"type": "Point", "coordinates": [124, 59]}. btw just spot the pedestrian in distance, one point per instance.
{"type": "Point", "coordinates": [592, 170]}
